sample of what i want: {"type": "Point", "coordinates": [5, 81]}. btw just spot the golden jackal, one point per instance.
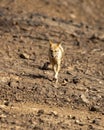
{"type": "Point", "coordinates": [55, 57]}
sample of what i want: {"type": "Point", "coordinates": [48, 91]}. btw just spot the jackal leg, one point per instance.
{"type": "Point", "coordinates": [56, 70]}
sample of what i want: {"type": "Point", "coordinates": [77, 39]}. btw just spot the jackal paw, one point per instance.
{"type": "Point", "coordinates": [55, 80]}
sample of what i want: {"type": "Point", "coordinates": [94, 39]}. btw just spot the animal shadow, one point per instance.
{"type": "Point", "coordinates": [38, 76]}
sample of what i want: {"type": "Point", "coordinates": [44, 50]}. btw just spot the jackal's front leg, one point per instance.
{"type": "Point", "coordinates": [57, 69]}
{"type": "Point", "coordinates": [54, 68]}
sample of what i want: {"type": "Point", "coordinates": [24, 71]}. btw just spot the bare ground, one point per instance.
{"type": "Point", "coordinates": [29, 100]}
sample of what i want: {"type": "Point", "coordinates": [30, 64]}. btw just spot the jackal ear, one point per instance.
{"type": "Point", "coordinates": [59, 44]}
{"type": "Point", "coordinates": [50, 43]}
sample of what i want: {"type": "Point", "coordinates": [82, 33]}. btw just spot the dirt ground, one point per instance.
{"type": "Point", "coordinates": [29, 100]}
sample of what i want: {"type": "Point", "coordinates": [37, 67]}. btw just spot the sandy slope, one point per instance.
{"type": "Point", "coordinates": [29, 100]}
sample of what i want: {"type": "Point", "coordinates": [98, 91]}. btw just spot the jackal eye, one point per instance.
{"type": "Point", "coordinates": [51, 51]}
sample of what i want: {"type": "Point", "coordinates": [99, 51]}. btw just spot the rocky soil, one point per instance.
{"type": "Point", "coordinates": [29, 100]}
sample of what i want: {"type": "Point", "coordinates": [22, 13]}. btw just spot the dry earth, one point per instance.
{"type": "Point", "coordinates": [29, 100]}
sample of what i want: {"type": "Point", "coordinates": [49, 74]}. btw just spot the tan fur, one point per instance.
{"type": "Point", "coordinates": [55, 57]}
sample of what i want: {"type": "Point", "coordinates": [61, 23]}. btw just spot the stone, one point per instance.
{"type": "Point", "coordinates": [24, 56]}
{"type": "Point", "coordinates": [84, 99]}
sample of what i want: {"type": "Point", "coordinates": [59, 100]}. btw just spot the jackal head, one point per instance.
{"type": "Point", "coordinates": [54, 46]}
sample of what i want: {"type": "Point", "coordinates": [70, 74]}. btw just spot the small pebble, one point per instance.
{"type": "Point", "coordinates": [24, 56]}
